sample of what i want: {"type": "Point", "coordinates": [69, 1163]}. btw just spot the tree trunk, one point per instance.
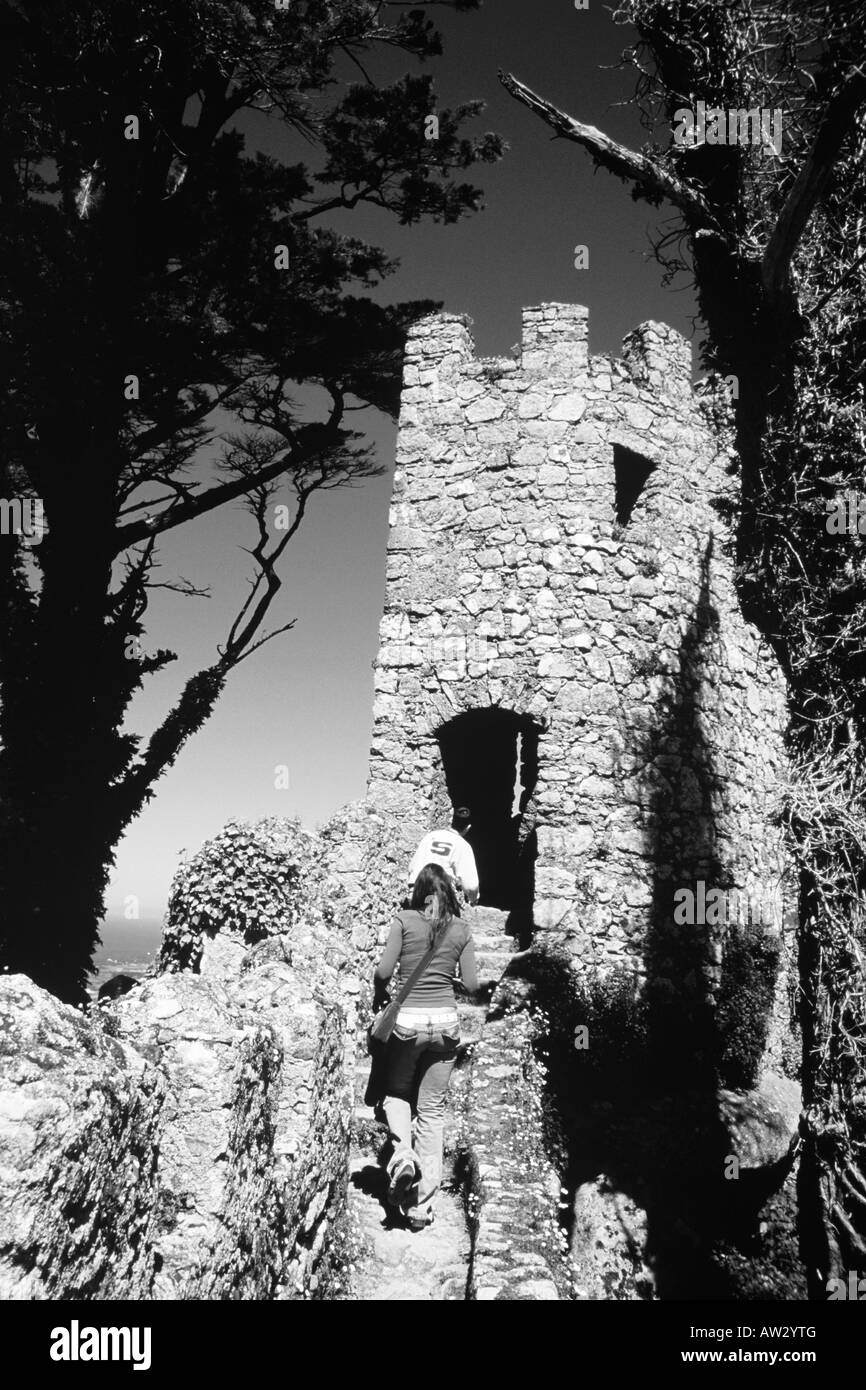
{"type": "Point", "coordinates": [65, 685]}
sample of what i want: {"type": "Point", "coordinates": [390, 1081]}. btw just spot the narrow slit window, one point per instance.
{"type": "Point", "coordinates": [631, 471]}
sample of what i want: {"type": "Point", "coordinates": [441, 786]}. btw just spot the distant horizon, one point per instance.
{"type": "Point", "coordinates": [125, 948]}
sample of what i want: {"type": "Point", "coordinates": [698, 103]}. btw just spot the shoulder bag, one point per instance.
{"type": "Point", "coordinates": [382, 1026]}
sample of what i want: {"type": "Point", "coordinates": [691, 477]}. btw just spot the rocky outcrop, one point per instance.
{"type": "Point", "coordinates": [188, 1140]}
{"type": "Point", "coordinates": [80, 1117]}
{"type": "Point", "coordinates": [253, 1144]}
{"type": "Point", "coordinates": [712, 1180]}
{"type": "Point", "coordinates": [608, 1244]}
{"type": "Point", "coordinates": [762, 1124]}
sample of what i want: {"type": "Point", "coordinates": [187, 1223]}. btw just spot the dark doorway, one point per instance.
{"type": "Point", "coordinates": [490, 761]}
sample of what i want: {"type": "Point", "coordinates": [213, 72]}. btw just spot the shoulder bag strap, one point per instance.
{"type": "Point", "coordinates": [422, 966]}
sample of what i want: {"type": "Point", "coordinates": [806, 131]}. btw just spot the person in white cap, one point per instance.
{"type": "Point", "coordinates": [452, 852]}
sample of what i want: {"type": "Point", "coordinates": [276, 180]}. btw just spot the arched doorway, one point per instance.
{"type": "Point", "coordinates": [490, 761]}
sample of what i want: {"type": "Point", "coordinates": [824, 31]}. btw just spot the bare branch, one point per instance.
{"type": "Point", "coordinates": [129, 602]}
{"type": "Point", "coordinates": [239, 637]}
{"type": "Point", "coordinates": [268, 637]}
{"type": "Point", "coordinates": [158, 434]}
{"type": "Point", "coordinates": [364, 195]}
{"type": "Point", "coordinates": [182, 586]}
{"type": "Point", "coordinates": [203, 689]}
{"type": "Point", "coordinates": [616, 158]}
{"type": "Point", "coordinates": [358, 64]}
{"type": "Point", "coordinates": [306, 442]}
{"type": "Point", "coordinates": [204, 502]}
{"type": "Point", "coordinates": [179, 489]}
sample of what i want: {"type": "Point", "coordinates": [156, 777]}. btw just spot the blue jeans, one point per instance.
{"type": "Point", "coordinates": [421, 1054]}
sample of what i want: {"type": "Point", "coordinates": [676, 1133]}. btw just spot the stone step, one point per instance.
{"type": "Point", "coordinates": [491, 964]}
{"type": "Point", "coordinates": [484, 919]}
{"type": "Point", "coordinates": [493, 938]}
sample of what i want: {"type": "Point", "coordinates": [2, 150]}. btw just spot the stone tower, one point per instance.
{"type": "Point", "coordinates": [561, 647]}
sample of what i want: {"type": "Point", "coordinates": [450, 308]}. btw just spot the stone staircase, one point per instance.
{"type": "Point", "coordinates": [434, 1264]}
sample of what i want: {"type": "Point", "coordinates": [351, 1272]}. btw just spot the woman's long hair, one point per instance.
{"type": "Point", "coordinates": [434, 882]}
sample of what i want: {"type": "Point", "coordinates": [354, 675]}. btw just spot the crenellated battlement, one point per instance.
{"type": "Point", "coordinates": [553, 416]}
{"type": "Point", "coordinates": [554, 344]}
{"type": "Point", "coordinates": [438, 342]}
{"type": "Point", "coordinates": [657, 354]}
{"type": "Point", "coordinates": [555, 339]}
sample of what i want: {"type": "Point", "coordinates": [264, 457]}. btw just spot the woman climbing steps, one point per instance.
{"type": "Point", "coordinates": [423, 1046]}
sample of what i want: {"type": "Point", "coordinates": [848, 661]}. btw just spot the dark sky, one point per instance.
{"type": "Point", "coordinates": [305, 700]}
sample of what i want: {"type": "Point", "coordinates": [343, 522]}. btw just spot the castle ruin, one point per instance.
{"type": "Point", "coordinates": [562, 650]}
{"type": "Point", "coordinates": [561, 646]}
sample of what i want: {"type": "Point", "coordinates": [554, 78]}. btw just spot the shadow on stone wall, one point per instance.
{"type": "Point", "coordinates": [682, 1187]}
{"type": "Point", "coordinates": [641, 1102]}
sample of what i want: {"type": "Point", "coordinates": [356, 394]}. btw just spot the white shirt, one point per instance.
{"type": "Point", "coordinates": [453, 854]}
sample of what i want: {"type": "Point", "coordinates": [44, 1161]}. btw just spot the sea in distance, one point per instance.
{"type": "Point", "coordinates": [127, 948]}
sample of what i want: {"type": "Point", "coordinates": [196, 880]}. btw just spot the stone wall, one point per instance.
{"type": "Point", "coordinates": [190, 1140]}
{"type": "Point", "coordinates": [513, 1189]}
{"type": "Point", "coordinates": [80, 1116]}
{"type": "Point", "coordinates": [365, 856]}
{"type": "Point", "coordinates": [558, 564]}
{"type": "Point", "coordinates": [253, 1147]}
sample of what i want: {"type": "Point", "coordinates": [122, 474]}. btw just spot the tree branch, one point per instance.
{"type": "Point", "coordinates": [240, 636]}
{"type": "Point", "coordinates": [168, 429]}
{"type": "Point", "coordinates": [305, 443]}
{"type": "Point", "coordinates": [125, 536]}
{"type": "Point", "coordinates": [617, 159]}
{"type": "Point", "coordinates": [202, 690]}
{"type": "Point", "coordinates": [330, 204]}
{"type": "Point", "coordinates": [811, 181]}
{"type": "Point", "coordinates": [128, 602]}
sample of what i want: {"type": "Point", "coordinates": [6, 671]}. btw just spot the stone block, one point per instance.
{"type": "Point", "coordinates": [570, 407]}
